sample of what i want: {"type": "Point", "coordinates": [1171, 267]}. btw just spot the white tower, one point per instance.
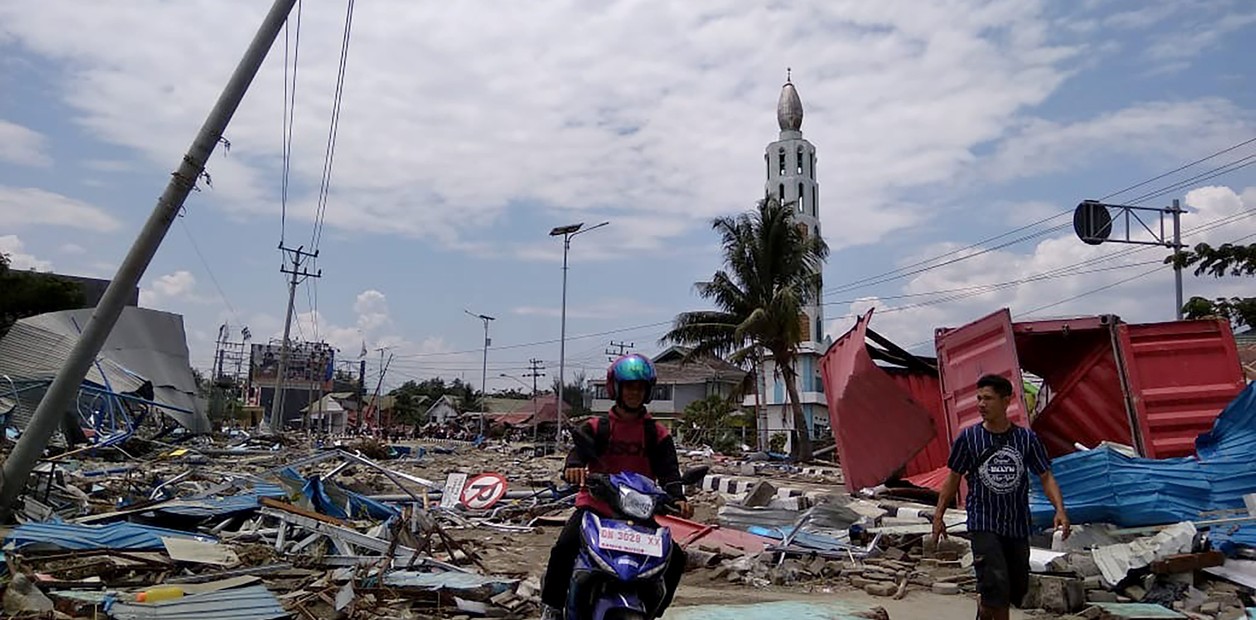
{"type": "Point", "coordinates": [791, 178]}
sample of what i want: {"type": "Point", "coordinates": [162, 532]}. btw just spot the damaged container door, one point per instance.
{"type": "Point", "coordinates": [1182, 374]}
{"type": "Point", "coordinates": [877, 426]}
{"type": "Point", "coordinates": [1088, 402]}
{"type": "Point", "coordinates": [984, 347]}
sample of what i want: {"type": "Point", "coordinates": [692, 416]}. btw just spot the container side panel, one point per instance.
{"type": "Point", "coordinates": [1183, 373]}
{"type": "Point", "coordinates": [877, 426]}
{"type": "Point", "coordinates": [985, 346]}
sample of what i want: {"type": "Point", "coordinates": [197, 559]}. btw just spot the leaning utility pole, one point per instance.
{"type": "Point", "coordinates": [298, 274]}
{"type": "Point", "coordinates": [52, 409]}
{"type": "Point", "coordinates": [536, 367]}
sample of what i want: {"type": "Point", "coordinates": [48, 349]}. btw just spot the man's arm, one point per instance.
{"type": "Point", "coordinates": [666, 467]}
{"type": "Point", "coordinates": [949, 488]}
{"type": "Point", "coordinates": [1052, 490]}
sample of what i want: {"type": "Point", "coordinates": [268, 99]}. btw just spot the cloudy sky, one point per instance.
{"type": "Point", "coordinates": [468, 130]}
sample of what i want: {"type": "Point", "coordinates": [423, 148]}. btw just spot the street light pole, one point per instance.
{"type": "Point", "coordinates": [484, 368]}
{"type": "Point", "coordinates": [566, 232]}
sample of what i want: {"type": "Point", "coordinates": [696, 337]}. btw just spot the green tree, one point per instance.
{"type": "Point", "coordinates": [409, 403]}
{"type": "Point", "coordinates": [27, 293]}
{"type": "Point", "coordinates": [772, 271]}
{"type": "Point", "coordinates": [715, 420]}
{"type": "Point", "coordinates": [574, 394]}
{"type": "Point", "coordinates": [1226, 260]}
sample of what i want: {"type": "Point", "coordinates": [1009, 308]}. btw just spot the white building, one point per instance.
{"type": "Point", "coordinates": [791, 176]}
{"type": "Point", "coordinates": [679, 384]}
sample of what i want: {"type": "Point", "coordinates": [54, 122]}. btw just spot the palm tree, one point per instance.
{"type": "Point", "coordinates": [772, 271]}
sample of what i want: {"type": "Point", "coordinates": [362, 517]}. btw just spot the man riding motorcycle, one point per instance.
{"type": "Point", "coordinates": [627, 439]}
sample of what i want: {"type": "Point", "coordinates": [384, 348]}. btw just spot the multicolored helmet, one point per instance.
{"type": "Point", "coordinates": [632, 367]}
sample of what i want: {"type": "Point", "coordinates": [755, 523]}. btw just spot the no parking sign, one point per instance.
{"type": "Point", "coordinates": [483, 491]}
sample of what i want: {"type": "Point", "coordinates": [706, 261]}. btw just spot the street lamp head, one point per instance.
{"type": "Point", "coordinates": [565, 230]}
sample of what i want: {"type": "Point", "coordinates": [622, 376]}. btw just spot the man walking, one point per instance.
{"type": "Point", "coordinates": [997, 456]}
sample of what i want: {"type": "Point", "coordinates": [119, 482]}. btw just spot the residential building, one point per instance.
{"type": "Point", "coordinates": [791, 177]}
{"type": "Point", "coordinates": [444, 410]}
{"type": "Point", "coordinates": [680, 383]}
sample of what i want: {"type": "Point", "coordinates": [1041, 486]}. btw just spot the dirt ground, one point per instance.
{"type": "Point", "coordinates": [915, 605]}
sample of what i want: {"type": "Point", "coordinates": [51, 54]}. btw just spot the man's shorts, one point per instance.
{"type": "Point", "coordinates": [1002, 567]}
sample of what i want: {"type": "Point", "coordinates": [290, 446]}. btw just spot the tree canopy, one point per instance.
{"type": "Point", "coordinates": [1226, 260]}
{"type": "Point", "coordinates": [772, 271]}
{"type": "Point", "coordinates": [27, 293]}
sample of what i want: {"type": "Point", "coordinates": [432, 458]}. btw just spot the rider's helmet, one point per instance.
{"type": "Point", "coordinates": [632, 367]}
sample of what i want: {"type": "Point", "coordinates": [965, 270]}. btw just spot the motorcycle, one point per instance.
{"type": "Point", "coordinates": [619, 569]}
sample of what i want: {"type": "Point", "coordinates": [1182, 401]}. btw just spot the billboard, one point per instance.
{"type": "Point", "coordinates": [310, 365]}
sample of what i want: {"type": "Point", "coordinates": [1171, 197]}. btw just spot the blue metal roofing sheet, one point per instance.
{"type": "Point", "coordinates": [71, 536]}
{"type": "Point", "coordinates": [1103, 485]}
{"type": "Point", "coordinates": [251, 603]}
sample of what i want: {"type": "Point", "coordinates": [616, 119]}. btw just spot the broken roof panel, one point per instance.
{"type": "Point", "coordinates": [71, 536]}
{"type": "Point", "coordinates": [251, 603]}
{"type": "Point", "coordinates": [878, 427]}
{"type": "Point", "coordinates": [145, 345]}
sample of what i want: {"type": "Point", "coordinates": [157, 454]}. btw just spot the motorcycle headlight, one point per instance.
{"type": "Point", "coordinates": [636, 505]}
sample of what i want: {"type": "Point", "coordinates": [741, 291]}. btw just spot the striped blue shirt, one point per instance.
{"type": "Point", "coordinates": [998, 485]}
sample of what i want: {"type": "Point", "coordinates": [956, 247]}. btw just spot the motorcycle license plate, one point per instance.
{"type": "Point", "coordinates": [615, 539]}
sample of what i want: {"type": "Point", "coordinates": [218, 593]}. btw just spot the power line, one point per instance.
{"type": "Point", "coordinates": [1180, 168]}
{"type": "Point", "coordinates": [891, 275]}
{"type": "Point", "coordinates": [289, 113]}
{"type": "Point", "coordinates": [333, 130]}
{"type": "Point", "coordinates": [1199, 178]}
{"type": "Point", "coordinates": [208, 271]}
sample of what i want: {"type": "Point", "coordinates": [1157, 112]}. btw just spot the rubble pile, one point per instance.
{"type": "Point", "coordinates": [263, 528]}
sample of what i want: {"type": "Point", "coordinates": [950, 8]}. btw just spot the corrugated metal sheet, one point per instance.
{"type": "Point", "coordinates": [144, 345]}
{"type": "Point", "coordinates": [1078, 360]}
{"type": "Point", "coordinates": [1103, 485]}
{"type": "Point", "coordinates": [1182, 374]}
{"type": "Point", "coordinates": [878, 427]}
{"type": "Point", "coordinates": [926, 390]}
{"type": "Point", "coordinates": [733, 542]}
{"type": "Point", "coordinates": [121, 535]}
{"type": "Point", "coordinates": [251, 603]}
{"type": "Point", "coordinates": [985, 346]}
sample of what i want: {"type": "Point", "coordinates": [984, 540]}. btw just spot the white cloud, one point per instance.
{"type": "Point", "coordinates": [166, 290]}
{"type": "Point", "coordinates": [19, 260]}
{"type": "Point", "coordinates": [1160, 131]}
{"type": "Point", "coordinates": [22, 146]}
{"type": "Point", "coordinates": [29, 206]}
{"type": "Point", "coordinates": [911, 320]}
{"type": "Point", "coordinates": [643, 113]}
{"type": "Point", "coordinates": [72, 248]}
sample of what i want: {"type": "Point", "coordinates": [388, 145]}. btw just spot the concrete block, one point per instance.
{"type": "Point", "coordinates": [881, 589]}
{"type": "Point", "coordinates": [760, 494]}
{"type": "Point", "coordinates": [1059, 595]}
{"type": "Point", "coordinates": [942, 587]}
{"type": "Point", "coordinates": [1101, 596]}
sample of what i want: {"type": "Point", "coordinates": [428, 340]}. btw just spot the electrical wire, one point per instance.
{"type": "Point", "coordinates": [896, 274]}
{"type": "Point", "coordinates": [210, 272]}
{"type": "Point", "coordinates": [333, 130]}
{"type": "Point", "coordinates": [289, 113]}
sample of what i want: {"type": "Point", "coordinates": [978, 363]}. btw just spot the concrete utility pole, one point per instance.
{"type": "Point", "coordinates": [298, 275]}
{"type": "Point", "coordinates": [622, 348]}
{"type": "Point", "coordinates": [536, 367]}
{"type": "Point", "coordinates": [52, 409]}
{"type": "Point", "coordinates": [483, 369]}
{"type": "Point", "coordinates": [566, 232]}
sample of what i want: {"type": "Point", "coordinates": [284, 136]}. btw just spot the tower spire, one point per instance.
{"type": "Point", "coordinates": [789, 107]}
